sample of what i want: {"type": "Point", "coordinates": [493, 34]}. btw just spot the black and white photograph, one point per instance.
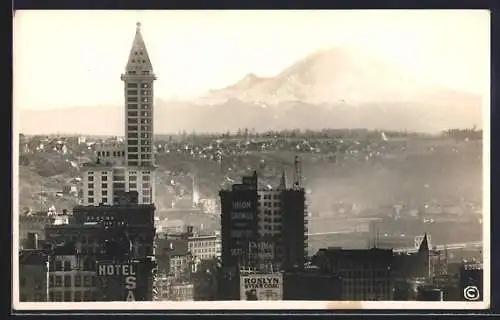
{"type": "Point", "coordinates": [286, 159]}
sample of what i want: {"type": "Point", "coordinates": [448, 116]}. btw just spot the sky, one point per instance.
{"type": "Point", "coordinates": [75, 58]}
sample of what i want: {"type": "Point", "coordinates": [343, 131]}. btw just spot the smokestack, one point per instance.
{"type": "Point", "coordinates": [32, 242]}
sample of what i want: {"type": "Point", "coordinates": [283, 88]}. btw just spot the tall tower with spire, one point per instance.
{"type": "Point", "coordinates": [139, 100]}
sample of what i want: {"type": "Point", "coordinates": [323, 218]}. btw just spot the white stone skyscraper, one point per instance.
{"type": "Point", "coordinates": [120, 168]}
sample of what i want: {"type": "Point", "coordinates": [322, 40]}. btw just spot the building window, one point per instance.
{"type": "Point", "coordinates": [78, 281]}
{"type": "Point", "coordinates": [67, 281]}
{"type": "Point", "coordinates": [58, 297]}
{"type": "Point", "coordinates": [132, 142]}
{"type": "Point", "coordinates": [91, 200]}
{"type": "Point", "coordinates": [104, 178]}
{"type": "Point", "coordinates": [67, 265]}
{"type": "Point", "coordinates": [91, 186]}
{"type": "Point", "coordinates": [132, 106]}
{"type": "Point", "coordinates": [87, 295]}
{"type": "Point", "coordinates": [22, 281]}
{"type": "Point", "coordinates": [91, 178]}
{"type": "Point", "coordinates": [145, 178]}
{"type": "Point", "coordinates": [78, 296]}
{"type": "Point", "coordinates": [132, 128]}
{"type": "Point", "coordinates": [131, 72]}
{"type": "Point", "coordinates": [58, 265]}
{"type": "Point", "coordinates": [132, 135]}
{"type": "Point", "coordinates": [133, 156]}
{"type": "Point", "coordinates": [39, 298]}
{"type": "Point", "coordinates": [51, 281]}
{"type": "Point", "coordinates": [132, 85]}
{"type": "Point", "coordinates": [86, 281]}
{"type": "Point", "coordinates": [58, 281]}
{"type": "Point", "coordinates": [91, 192]}
{"type": "Point", "coordinates": [67, 296]}
{"type": "Point", "coordinates": [146, 200]}
{"type": "Point", "coordinates": [132, 99]}
{"type": "Point", "coordinates": [132, 120]}
{"type": "Point", "coordinates": [132, 186]}
{"type": "Point", "coordinates": [145, 185]}
{"type": "Point", "coordinates": [104, 200]}
{"type": "Point", "coordinates": [132, 92]}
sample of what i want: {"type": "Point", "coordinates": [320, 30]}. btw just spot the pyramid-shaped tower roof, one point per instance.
{"type": "Point", "coordinates": [138, 59]}
{"type": "Point", "coordinates": [424, 245]}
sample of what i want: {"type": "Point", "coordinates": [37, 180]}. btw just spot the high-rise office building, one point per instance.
{"type": "Point", "coordinates": [264, 227]}
{"type": "Point", "coordinates": [120, 168]}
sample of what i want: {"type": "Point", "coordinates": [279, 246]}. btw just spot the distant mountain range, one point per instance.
{"type": "Point", "coordinates": [339, 87]}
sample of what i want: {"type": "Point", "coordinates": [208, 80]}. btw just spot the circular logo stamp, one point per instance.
{"type": "Point", "coordinates": [471, 293]}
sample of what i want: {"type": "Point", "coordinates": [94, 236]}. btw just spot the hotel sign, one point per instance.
{"type": "Point", "coordinates": [128, 271]}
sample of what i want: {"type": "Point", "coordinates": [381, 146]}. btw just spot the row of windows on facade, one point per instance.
{"type": "Point", "coordinates": [91, 200]}
{"type": "Point", "coordinates": [139, 114]}
{"type": "Point", "coordinates": [70, 296]}
{"type": "Point", "coordinates": [275, 220]}
{"type": "Point", "coordinates": [135, 120]}
{"type": "Point", "coordinates": [269, 204]}
{"type": "Point", "coordinates": [108, 153]}
{"type": "Point", "coordinates": [135, 72]}
{"type": "Point", "coordinates": [138, 60]}
{"type": "Point", "coordinates": [136, 99]}
{"type": "Point", "coordinates": [122, 171]}
{"type": "Point", "coordinates": [59, 281]}
{"type": "Point", "coordinates": [197, 244]}
{"type": "Point", "coordinates": [118, 185]}
{"type": "Point", "coordinates": [204, 250]}
{"type": "Point", "coordinates": [269, 196]}
{"type": "Point", "coordinates": [136, 149]}
{"type": "Point", "coordinates": [135, 106]}
{"type": "Point", "coordinates": [135, 135]}
{"type": "Point", "coordinates": [136, 92]}
{"type": "Point", "coordinates": [135, 142]}
{"type": "Point", "coordinates": [133, 85]}
{"type": "Point", "coordinates": [144, 128]}
{"type": "Point", "coordinates": [136, 85]}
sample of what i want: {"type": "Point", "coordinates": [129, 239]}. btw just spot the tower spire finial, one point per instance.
{"type": "Point", "coordinates": [138, 24]}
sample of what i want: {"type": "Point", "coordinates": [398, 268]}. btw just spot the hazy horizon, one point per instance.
{"type": "Point", "coordinates": [213, 49]}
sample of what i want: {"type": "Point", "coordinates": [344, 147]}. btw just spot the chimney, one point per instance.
{"type": "Point", "coordinates": [32, 242]}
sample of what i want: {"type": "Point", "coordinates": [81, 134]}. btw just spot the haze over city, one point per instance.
{"type": "Point", "coordinates": [195, 51]}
